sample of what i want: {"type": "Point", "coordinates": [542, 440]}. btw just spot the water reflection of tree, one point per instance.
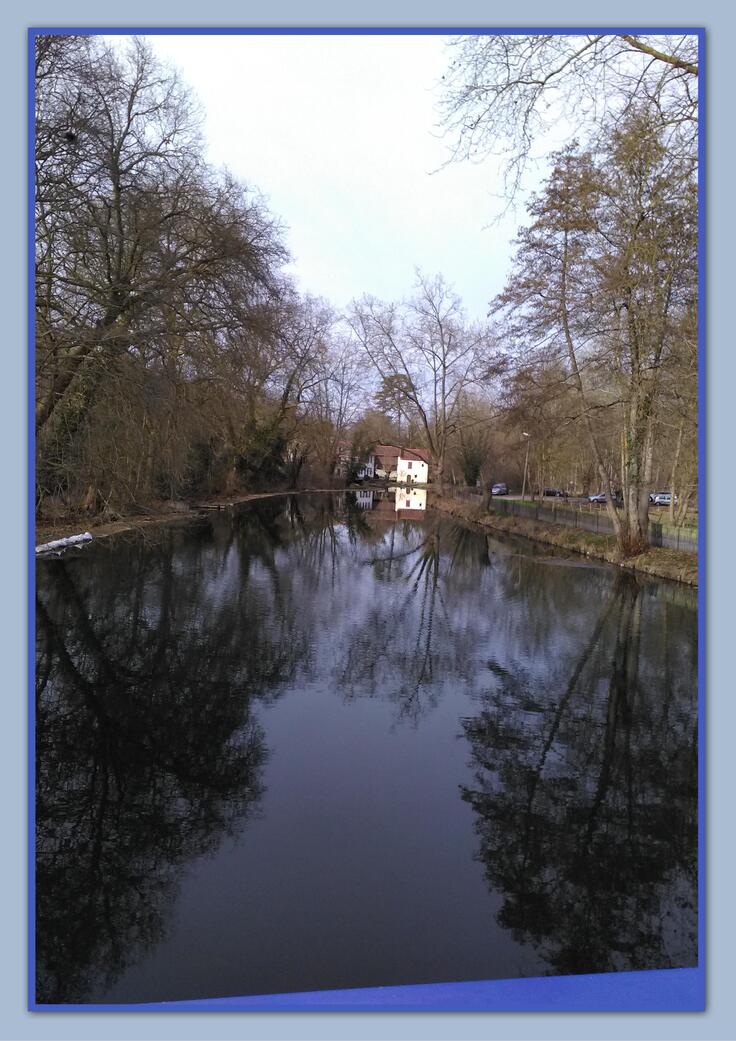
{"type": "Point", "coordinates": [586, 804]}
{"type": "Point", "coordinates": [406, 646]}
{"type": "Point", "coordinates": [151, 660]}
{"type": "Point", "coordinates": [147, 750]}
{"type": "Point", "coordinates": [551, 596]}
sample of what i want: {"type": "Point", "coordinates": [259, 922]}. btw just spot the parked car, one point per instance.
{"type": "Point", "coordinates": [601, 498]}
{"type": "Point", "coordinates": [661, 498]}
{"type": "Point", "coordinates": [394, 475]}
{"type": "Point", "coordinates": [500, 489]}
{"type": "Point", "coordinates": [381, 474]}
{"type": "Point", "coordinates": [555, 493]}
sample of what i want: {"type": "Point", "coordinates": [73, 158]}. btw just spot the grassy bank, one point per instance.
{"type": "Point", "coordinates": [663, 563]}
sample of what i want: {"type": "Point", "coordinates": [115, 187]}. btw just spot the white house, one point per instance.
{"type": "Point", "coordinates": [367, 468]}
{"type": "Point", "coordinates": [411, 468]}
{"type": "Point", "coordinates": [404, 465]}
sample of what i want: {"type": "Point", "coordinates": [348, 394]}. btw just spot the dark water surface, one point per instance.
{"type": "Point", "coordinates": [309, 745]}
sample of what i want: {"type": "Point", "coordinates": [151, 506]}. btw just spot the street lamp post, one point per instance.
{"type": "Point", "coordinates": [526, 464]}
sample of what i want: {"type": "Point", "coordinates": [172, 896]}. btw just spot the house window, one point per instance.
{"type": "Point", "coordinates": [408, 503]}
{"type": "Point", "coordinates": [408, 465]}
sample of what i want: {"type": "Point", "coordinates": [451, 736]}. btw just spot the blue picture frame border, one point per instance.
{"type": "Point", "coordinates": [652, 990]}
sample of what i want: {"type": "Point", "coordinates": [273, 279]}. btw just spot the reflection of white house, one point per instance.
{"type": "Point", "coordinates": [411, 469]}
{"type": "Point", "coordinates": [364, 498]}
{"type": "Point", "coordinates": [410, 499]}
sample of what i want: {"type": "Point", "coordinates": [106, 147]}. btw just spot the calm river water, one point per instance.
{"type": "Point", "coordinates": [313, 743]}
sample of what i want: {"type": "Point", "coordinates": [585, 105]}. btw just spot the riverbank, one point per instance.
{"type": "Point", "coordinates": [165, 513]}
{"type": "Point", "coordinates": [662, 563]}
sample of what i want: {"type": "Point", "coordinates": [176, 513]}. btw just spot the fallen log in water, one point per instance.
{"type": "Point", "coordinates": [58, 544]}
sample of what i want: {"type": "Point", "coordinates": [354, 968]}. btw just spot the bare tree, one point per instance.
{"type": "Point", "coordinates": [158, 284]}
{"type": "Point", "coordinates": [604, 278]}
{"type": "Point", "coordinates": [473, 450]}
{"type": "Point", "coordinates": [503, 92]}
{"type": "Point", "coordinates": [336, 401]}
{"type": "Point", "coordinates": [428, 353]}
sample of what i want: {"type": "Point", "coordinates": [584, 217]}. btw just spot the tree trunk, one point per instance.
{"type": "Point", "coordinates": [637, 476]}
{"type": "Point", "coordinates": [673, 475]}
{"type": "Point", "coordinates": [578, 384]}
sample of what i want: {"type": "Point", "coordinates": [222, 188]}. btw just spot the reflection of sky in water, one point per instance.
{"type": "Point", "coordinates": [311, 745]}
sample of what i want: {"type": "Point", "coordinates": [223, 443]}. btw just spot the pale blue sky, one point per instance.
{"type": "Point", "coordinates": [340, 134]}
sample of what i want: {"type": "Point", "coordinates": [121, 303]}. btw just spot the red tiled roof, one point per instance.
{"type": "Point", "coordinates": [415, 453]}
{"type": "Point", "coordinates": [392, 452]}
